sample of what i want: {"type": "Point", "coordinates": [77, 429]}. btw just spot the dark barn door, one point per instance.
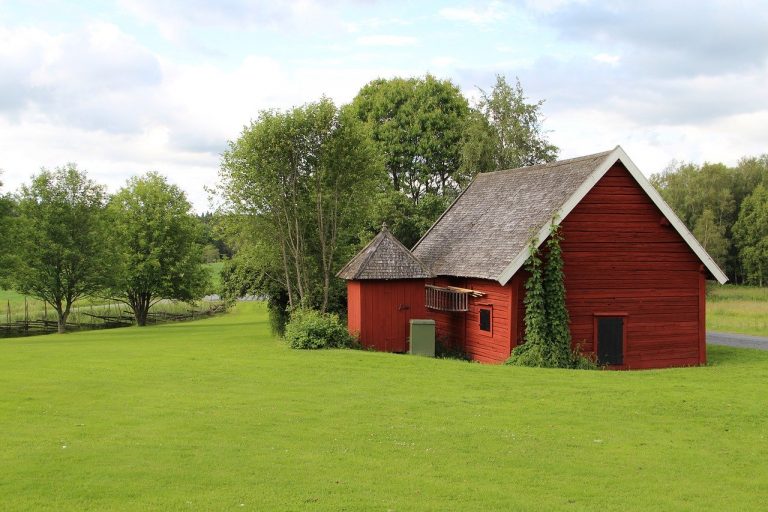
{"type": "Point", "coordinates": [610, 340]}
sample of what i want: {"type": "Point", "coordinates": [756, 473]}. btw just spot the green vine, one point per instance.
{"type": "Point", "coordinates": [558, 319]}
{"type": "Point", "coordinates": [547, 333]}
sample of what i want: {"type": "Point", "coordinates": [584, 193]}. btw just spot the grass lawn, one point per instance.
{"type": "Point", "coordinates": [740, 309]}
{"type": "Point", "coordinates": [218, 415]}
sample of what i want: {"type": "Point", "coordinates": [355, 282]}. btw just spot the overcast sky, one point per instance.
{"type": "Point", "coordinates": [125, 87]}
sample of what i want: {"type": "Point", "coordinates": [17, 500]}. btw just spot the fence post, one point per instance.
{"type": "Point", "coordinates": [26, 316]}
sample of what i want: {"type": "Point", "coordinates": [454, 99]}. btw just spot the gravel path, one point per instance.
{"type": "Point", "coordinates": [737, 340]}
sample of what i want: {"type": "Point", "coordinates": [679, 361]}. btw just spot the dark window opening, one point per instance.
{"type": "Point", "coordinates": [485, 320]}
{"type": "Point", "coordinates": [610, 340]}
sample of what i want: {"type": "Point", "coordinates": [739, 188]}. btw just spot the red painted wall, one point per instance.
{"type": "Point", "coordinates": [379, 311]}
{"type": "Point", "coordinates": [620, 257]}
{"type": "Point", "coordinates": [462, 330]}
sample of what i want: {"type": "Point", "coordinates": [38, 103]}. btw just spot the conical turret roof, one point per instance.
{"type": "Point", "coordinates": [384, 258]}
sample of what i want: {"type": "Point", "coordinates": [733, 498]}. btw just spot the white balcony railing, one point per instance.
{"type": "Point", "coordinates": [449, 298]}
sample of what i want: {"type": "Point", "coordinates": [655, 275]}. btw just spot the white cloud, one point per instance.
{"type": "Point", "coordinates": [82, 77]}
{"type": "Point", "coordinates": [443, 62]}
{"type": "Point", "coordinates": [607, 58]}
{"type": "Point", "coordinates": [178, 21]}
{"type": "Point", "coordinates": [652, 147]}
{"type": "Point", "coordinates": [375, 24]}
{"type": "Point", "coordinates": [669, 39]}
{"type": "Point", "coordinates": [98, 98]}
{"type": "Point", "coordinates": [547, 6]}
{"type": "Point", "coordinates": [387, 40]}
{"type": "Point", "coordinates": [491, 13]}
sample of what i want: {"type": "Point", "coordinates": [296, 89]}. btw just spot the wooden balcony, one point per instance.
{"type": "Point", "coordinates": [449, 298]}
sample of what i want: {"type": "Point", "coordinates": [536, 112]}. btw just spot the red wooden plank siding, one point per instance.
{"type": "Point", "coordinates": [620, 257]}
{"type": "Point", "coordinates": [353, 307]}
{"type": "Point", "coordinates": [482, 346]}
{"type": "Point", "coordinates": [385, 309]}
{"type": "Point", "coordinates": [449, 326]}
{"type": "Point", "coordinates": [462, 330]}
{"type": "Point", "coordinates": [702, 318]}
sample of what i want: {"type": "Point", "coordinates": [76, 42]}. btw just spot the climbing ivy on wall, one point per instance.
{"type": "Point", "coordinates": [557, 317]}
{"type": "Point", "coordinates": [547, 335]}
{"type": "Point", "coordinates": [535, 350]}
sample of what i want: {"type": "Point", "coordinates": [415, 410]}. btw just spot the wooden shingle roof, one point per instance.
{"type": "Point", "coordinates": [487, 230]}
{"type": "Point", "coordinates": [498, 214]}
{"type": "Point", "coordinates": [384, 258]}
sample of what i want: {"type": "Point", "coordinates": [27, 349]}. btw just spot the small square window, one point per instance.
{"type": "Point", "coordinates": [485, 319]}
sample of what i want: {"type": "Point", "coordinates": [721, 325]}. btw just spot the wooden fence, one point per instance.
{"type": "Point", "coordinates": [107, 316]}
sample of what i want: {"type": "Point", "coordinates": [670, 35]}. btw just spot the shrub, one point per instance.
{"type": "Point", "coordinates": [528, 354]}
{"type": "Point", "coordinates": [310, 329]}
{"type": "Point", "coordinates": [532, 355]}
{"type": "Point", "coordinates": [581, 362]}
{"type": "Point", "coordinates": [445, 349]}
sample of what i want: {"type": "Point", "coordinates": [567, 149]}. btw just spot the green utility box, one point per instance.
{"type": "Point", "coordinates": [422, 338]}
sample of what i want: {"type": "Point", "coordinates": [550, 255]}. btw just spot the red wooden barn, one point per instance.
{"type": "Point", "coordinates": [635, 276]}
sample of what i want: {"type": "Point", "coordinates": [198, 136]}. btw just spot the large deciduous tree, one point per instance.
{"type": "Point", "coordinates": [303, 181]}
{"type": "Point", "coordinates": [158, 239]}
{"type": "Point", "coordinates": [6, 244]}
{"type": "Point", "coordinates": [708, 199]}
{"type": "Point", "coordinates": [417, 125]}
{"type": "Point", "coordinates": [433, 144]}
{"type": "Point", "coordinates": [711, 235]}
{"type": "Point", "coordinates": [62, 241]}
{"type": "Point", "coordinates": [751, 236]}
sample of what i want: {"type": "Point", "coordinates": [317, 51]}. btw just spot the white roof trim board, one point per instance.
{"type": "Point", "coordinates": [617, 155]}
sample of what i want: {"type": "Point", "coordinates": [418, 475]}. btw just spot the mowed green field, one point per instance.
{"type": "Point", "coordinates": [739, 309]}
{"type": "Point", "coordinates": [16, 300]}
{"type": "Point", "coordinates": [219, 415]}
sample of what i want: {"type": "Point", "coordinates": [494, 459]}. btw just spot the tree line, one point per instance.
{"type": "Point", "coordinates": [305, 188]}
{"type": "Point", "coordinates": [65, 238]}
{"type": "Point", "coordinates": [726, 208]}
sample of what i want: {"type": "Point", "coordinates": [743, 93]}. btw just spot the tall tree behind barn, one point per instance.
{"type": "Point", "coordinates": [303, 179]}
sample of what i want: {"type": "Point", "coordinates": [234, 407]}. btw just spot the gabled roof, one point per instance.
{"type": "Point", "coordinates": [384, 258]}
{"type": "Point", "coordinates": [485, 233]}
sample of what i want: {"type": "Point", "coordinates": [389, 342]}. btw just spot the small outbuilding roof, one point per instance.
{"type": "Point", "coordinates": [486, 232]}
{"type": "Point", "coordinates": [384, 258]}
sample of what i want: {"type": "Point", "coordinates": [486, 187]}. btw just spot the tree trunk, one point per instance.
{"type": "Point", "coordinates": [395, 179]}
{"type": "Point", "coordinates": [141, 317]}
{"type": "Point", "coordinates": [140, 305]}
{"type": "Point", "coordinates": [62, 314]}
{"type": "Point", "coordinates": [287, 274]}
{"type": "Point", "coordinates": [62, 324]}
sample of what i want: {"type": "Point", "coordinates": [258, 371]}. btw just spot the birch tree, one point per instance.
{"type": "Point", "coordinates": [308, 175]}
{"type": "Point", "coordinates": [516, 131]}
